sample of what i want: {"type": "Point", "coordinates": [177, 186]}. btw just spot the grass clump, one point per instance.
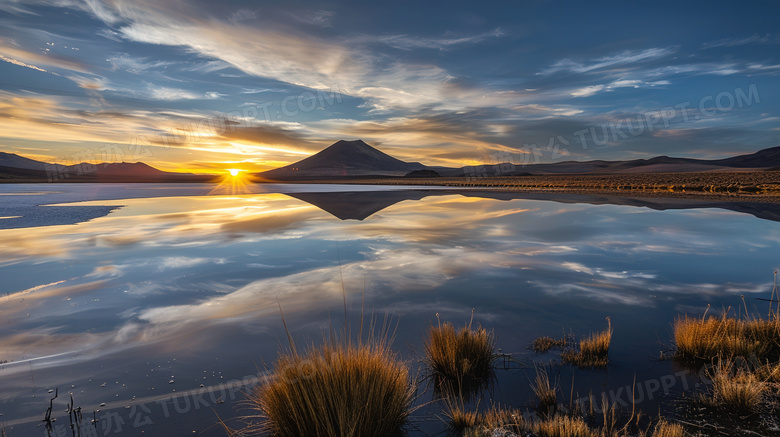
{"type": "Point", "coordinates": [337, 389]}
{"type": "Point", "coordinates": [593, 351]}
{"type": "Point", "coordinates": [459, 357]}
{"type": "Point", "coordinates": [734, 388]}
{"type": "Point", "coordinates": [545, 392]}
{"type": "Point", "coordinates": [544, 344]}
{"type": "Point", "coordinates": [665, 428]}
{"type": "Point", "coordinates": [707, 338]}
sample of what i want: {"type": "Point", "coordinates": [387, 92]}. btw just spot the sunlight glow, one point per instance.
{"type": "Point", "coordinates": [233, 172]}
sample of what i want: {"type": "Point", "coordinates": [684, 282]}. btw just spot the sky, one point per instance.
{"type": "Point", "coordinates": [205, 86]}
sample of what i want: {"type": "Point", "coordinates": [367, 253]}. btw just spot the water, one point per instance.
{"type": "Point", "coordinates": [136, 295]}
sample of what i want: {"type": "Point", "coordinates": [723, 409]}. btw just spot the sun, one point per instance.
{"type": "Point", "coordinates": [233, 171]}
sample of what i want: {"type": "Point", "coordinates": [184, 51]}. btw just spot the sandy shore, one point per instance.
{"type": "Point", "coordinates": [754, 186]}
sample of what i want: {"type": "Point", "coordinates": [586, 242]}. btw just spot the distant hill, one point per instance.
{"type": "Point", "coordinates": [344, 159]}
{"type": "Point", "coordinates": [15, 168]}
{"type": "Point", "coordinates": [358, 159]}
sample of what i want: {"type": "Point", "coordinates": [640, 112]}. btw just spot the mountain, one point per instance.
{"type": "Point", "coordinates": [13, 160]}
{"type": "Point", "coordinates": [762, 160]}
{"type": "Point", "coordinates": [15, 168]}
{"type": "Point", "coordinates": [344, 159]}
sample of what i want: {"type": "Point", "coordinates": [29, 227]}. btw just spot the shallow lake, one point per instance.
{"type": "Point", "coordinates": [159, 304]}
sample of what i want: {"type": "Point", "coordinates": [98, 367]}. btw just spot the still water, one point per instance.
{"type": "Point", "coordinates": [154, 306]}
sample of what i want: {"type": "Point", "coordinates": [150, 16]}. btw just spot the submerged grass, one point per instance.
{"type": "Point", "coordinates": [593, 351]}
{"type": "Point", "coordinates": [459, 357]}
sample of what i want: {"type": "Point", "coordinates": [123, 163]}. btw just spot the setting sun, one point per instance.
{"type": "Point", "coordinates": [233, 172]}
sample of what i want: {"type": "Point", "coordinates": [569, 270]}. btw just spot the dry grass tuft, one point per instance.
{"type": "Point", "coordinates": [707, 338]}
{"type": "Point", "coordinates": [563, 426]}
{"type": "Point", "coordinates": [734, 389]}
{"type": "Point", "coordinates": [338, 389]}
{"type": "Point", "coordinates": [459, 357]}
{"type": "Point", "coordinates": [460, 419]}
{"type": "Point", "coordinates": [546, 393]}
{"type": "Point", "coordinates": [593, 351]}
{"type": "Point", "coordinates": [665, 428]}
{"type": "Point", "coordinates": [544, 344]}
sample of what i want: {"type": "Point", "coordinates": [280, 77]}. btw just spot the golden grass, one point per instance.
{"type": "Point", "coordinates": [459, 357]}
{"type": "Point", "coordinates": [338, 389]}
{"type": "Point", "coordinates": [708, 338]}
{"type": "Point", "coordinates": [593, 351]}
{"type": "Point", "coordinates": [665, 428]}
{"type": "Point", "coordinates": [546, 393]}
{"type": "Point", "coordinates": [563, 426]}
{"type": "Point", "coordinates": [734, 389]}
{"type": "Point", "coordinates": [502, 422]}
{"type": "Point", "coordinates": [544, 344]}
{"type": "Point", "coordinates": [461, 419]}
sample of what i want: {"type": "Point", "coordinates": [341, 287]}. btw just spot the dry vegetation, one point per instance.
{"type": "Point", "coordinates": [745, 357]}
{"type": "Point", "coordinates": [504, 422]}
{"type": "Point", "coordinates": [708, 338]}
{"type": "Point", "coordinates": [544, 344]}
{"type": "Point", "coordinates": [460, 357]}
{"type": "Point", "coordinates": [338, 389]}
{"type": "Point", "coordinates": [593, 351]}
{"type": "Point", "coordinates": [545, 391]}
{"type": "Point", "coordinates": [752, 184]}
{"type": "Point", "coordinates": [735, 388]}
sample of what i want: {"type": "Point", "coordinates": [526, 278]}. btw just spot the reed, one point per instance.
{"type": "Point", "coordinates": [707, 338]}
{"type": "Point", "coordinates": [593, 351]}
{"type": "Point", "coordinates": [734, 388]}
{"type": "Point", "coordinates": [546, 393]}
{"type": "Point", "coordinates": [458, 357]}
{"type": "Point", "coordinates": [665, 428]}
{"type": "Point", "coordinates": [544, 344]}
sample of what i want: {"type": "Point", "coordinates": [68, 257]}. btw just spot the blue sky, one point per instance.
{"type": "Point", "coordinates": [204, 86]}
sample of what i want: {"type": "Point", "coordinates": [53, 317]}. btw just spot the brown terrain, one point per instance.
{"type": "Point", "coordinates": [756, 186]}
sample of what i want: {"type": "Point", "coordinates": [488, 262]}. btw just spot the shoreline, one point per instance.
{"type": "Point", "coordinates": [753, 186]}
{"type": "Point", "coordinates": [748, 186]}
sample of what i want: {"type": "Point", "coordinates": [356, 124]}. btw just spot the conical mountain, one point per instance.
{"type": "Point", "coordinates": [345, 158]}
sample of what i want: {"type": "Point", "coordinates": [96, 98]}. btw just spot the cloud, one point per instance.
{"type": "Point", "coordinates": [737, 42]}
{"type": "Point", "coordinates": [625, 58]}
{"type": "Point", "coordinates": [406, 42]}
{"type": "Point", "coordinates": [28, 59]}
{"type": "Point", "coordinates": [135, 65]}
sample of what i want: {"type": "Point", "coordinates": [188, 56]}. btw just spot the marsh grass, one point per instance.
{"type": "Point", "coordinates": [665, 428]}
{"type": "Point", "coordinates": [593, 351]}
{"type": "Point", "coordinates": [544, 344]}
{"type": "Point", "coordinates": [502, 422]}
{"type": "Point", "coordinates": [339, 388]}
{"type": "Point", "coordinates": [459, 358]}
{"type": "Point", "coordinates": [734, 388]}
{"type": "Point", "coordinates": [545, 391]}
{"type": "Point", "coordinates": [707, 338]}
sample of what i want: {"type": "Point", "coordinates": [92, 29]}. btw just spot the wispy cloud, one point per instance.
{"type": "Point", "coordinates": [408, 42]}
{"type": "Point", "coordinates": [624, 58]}
{"type": "Point", "coordinates": [737, 42]}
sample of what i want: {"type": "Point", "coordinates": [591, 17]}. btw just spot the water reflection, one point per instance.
{"type": "Point", "coordinates": [181, 274]}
